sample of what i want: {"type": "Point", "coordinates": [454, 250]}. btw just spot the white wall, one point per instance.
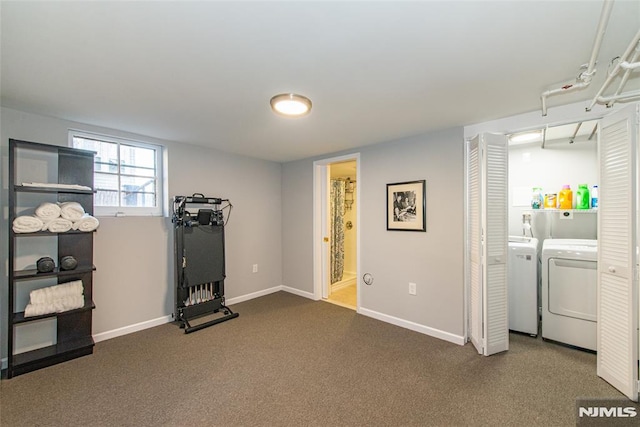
{"type": "Point", "coordinates": [134, 280]}
{"type": "Point", "coordinates": [433, 260]}
{"type": "Point", "coordinates": [550, 168]}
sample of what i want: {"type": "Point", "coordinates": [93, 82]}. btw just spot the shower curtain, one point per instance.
{"type": "Point", "coordinates": [336, 212]}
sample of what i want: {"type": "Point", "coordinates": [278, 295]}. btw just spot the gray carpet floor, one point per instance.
{"type": "Point", "coordinates": [290, 361]}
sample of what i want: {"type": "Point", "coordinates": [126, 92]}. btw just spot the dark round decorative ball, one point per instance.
{"type": "Point", "coordinates": [45, 265]}
{"type": "Point", "coordinates": [68, 263]}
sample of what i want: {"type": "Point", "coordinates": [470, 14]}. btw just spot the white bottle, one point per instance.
{"type": "Point", "coordinates": [594, 197]}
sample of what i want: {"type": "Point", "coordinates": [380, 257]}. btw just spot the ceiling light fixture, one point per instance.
{"type": "Point", "coordinates": [291, 105]}
{"type": "Point", "coordinates": [523, 138]}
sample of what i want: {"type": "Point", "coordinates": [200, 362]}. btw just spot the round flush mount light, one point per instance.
{"type": "Point", "coordinates": [523, 138]}
{"type": "Point", "coordinates": [291, 105]}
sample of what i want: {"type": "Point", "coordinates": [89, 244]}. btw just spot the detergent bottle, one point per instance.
{"type": "Point", "coordinates": [536, 198]}
{"type": "Point", "coordinates": [565, 198]}
{"type": "Point", "coordinates": [583, 200]}
{"type": "Point", "coordinates": [594, 197]}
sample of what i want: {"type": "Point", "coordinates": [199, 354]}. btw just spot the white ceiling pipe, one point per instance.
{"type": "Point", "coordinates": [585, 77]}
{"type": "Point", "coordinates": [628, 96]}
{"type": "Point", "coordinates": [568, 87]}
{"type": "Point", "coordinates": [629, 65]}
{"type": "Point", "coordinates": [602, 27]}
{"type": "Point", "coordinates": [616, 69]}
{"type": "Point", "coordinates": [625, 77]}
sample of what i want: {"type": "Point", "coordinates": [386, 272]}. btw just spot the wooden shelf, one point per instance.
{"type": "Point", "coordinates": [73, 327]}
{"type": "Point", "coordinates": [27, 361]}
{"type": "Point", "coordinates": [32, 189]}
{"type": "Point", "coordinates": [34, 274]}
{"type": "Point", "coordinates": [19, 317]}
{"type": "Point", "coordinates": [49, 233]}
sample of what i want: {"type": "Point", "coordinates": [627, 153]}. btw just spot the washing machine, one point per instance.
{"type": "Point", "coordinates": [569, 279]}
{"type": "Point", "coordinates": [522, 283]}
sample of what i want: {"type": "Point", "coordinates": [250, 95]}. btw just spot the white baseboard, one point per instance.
{"type": "Point", "coordinates": [432, 332]}
{"type": "Point", "coordinates": [243, 298]}
{"type": "Point", "coordinates": [132, 328]}
{"type": "Point", "coordinates": [298, 292]}
{"type": "Point", "coordinates": [436, 333]}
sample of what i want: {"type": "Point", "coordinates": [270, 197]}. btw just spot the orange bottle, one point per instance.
{"type": "Point", "coordinates": [565, 198]}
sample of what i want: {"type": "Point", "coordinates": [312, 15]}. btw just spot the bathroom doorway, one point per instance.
{"type": "Point", "coordinates": [336, 217]}
{"type": "Point", "coordinates": [342, 213]}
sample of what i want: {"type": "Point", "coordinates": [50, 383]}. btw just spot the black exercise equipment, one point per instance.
{"type": "Point", "coordinates": [200, 262]}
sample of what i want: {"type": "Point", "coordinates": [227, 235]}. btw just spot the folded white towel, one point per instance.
{"type": "Point", "coordinates": [52, 293]}
{"type": "Point", "coordinates": [57, 225]}
{"type": "Point", "coordinates": [72, 211]}
{"type": "Point", "coordinates": [56, 306]}
{"type": "Point", "coordinates": [27, 224]}
{"type": "Point", "coordinates": [86, 223]}
{"type": "Point", "coordinates": [48, 211]}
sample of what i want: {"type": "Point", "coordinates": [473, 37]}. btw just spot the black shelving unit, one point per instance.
{"type": "Point", "coordinates": [73, 327]}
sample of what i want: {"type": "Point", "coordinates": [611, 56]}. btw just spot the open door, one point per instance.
{"type": "Point", "coordinates": [617, 329]}
{"type": "Point", "coordinates": [487, 243]}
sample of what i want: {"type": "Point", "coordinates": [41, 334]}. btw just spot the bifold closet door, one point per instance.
{"type": "Point", "coordinates": [487, 242]}
{"type": "Point", "coordinates": [617, 288]}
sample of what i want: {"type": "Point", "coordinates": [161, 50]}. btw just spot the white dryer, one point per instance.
{"type": "Point", "coordinates": [522, 282]}
{"type": "Point", "coordinates": [569, 291]}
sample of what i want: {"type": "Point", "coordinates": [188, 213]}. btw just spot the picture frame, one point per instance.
{"type": "Point", "coordinates": [407, 206]}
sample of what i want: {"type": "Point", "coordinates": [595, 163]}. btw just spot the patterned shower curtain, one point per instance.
{"type": "Point", "coordinates": [336, 211]}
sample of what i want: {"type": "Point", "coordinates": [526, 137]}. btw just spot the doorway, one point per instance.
{"type": "Point", "coordinates": [336, 231]}
{"type": "Point", "coordinates": [342, 229]}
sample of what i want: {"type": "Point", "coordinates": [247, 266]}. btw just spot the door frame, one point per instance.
{"type": "Point", "coordinates": [320, 225]}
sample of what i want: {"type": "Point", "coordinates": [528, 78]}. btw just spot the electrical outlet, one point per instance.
{"type": "Point", "coordinates": [255, 268]}
{"type": "Point", "coordinates": [412, 288]}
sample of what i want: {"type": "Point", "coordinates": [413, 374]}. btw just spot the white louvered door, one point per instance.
{"type": "Point", "coordinates": [474, 244]}
{"type": "Point", "coordinates": [487, 243]}
{"type": "Point", "coordinates": [496, 318]}
{"type": "Point", "coordinates": [617, 358]}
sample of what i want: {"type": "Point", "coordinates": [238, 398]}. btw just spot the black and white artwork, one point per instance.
{"type": "Point", "coordinates": [406, 206]}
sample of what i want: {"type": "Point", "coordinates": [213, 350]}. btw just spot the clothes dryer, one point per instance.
{"type": "Point", "coordinates": [569, 291]}
{"type": "Point", "coordinates": [522, 282]}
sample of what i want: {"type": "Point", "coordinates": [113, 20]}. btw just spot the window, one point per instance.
{"type": "Point", "coordinates": [127, 174]}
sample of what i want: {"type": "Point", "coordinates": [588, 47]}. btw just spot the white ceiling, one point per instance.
{"type": "Point", "coordinates": [203, 72]}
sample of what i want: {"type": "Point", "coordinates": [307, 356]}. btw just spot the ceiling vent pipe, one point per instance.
{"type": "Point", "coordinates": [626, 64]}
{"type": "Point", "coordinates": [584, 78]}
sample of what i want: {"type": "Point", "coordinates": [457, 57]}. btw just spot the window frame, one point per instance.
{"type": "Point", "coordinates": [118, 211]}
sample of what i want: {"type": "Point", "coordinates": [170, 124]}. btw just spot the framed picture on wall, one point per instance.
{"type": "Point", "coordinates": [407, 206]}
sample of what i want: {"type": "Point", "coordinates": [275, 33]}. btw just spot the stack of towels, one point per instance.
{"type": "Point", "coordinates": [56, 218]}
{"type": "Point", "coordinates": [55, 299]}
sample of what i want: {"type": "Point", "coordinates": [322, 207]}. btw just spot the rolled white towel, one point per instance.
{"type": "Point", "coordinates": [27, 224]}
{"type": "Point", "coordinates": [86, 223]}
{"type": "Point", "coordinates": [57, 225]}
{"type": "Point", "coordinates": [52, 293]}
{"type": "Point", "coordinates": [48, 211]}
{"type": "Point", "coordinates": [72, 211]}
{"type": "Point", "coordinates": [56, 306]}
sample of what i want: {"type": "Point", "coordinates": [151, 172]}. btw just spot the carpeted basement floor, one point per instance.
{"type": "Point", "coordinates": [291, 361]}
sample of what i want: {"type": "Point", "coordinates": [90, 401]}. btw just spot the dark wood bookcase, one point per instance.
{"type": "Point", "coordinates": [73, 328]}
